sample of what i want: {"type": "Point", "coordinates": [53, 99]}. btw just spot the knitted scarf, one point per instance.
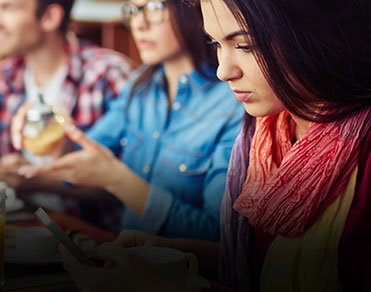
{"type": "Point", "coordinates": [287, 187]}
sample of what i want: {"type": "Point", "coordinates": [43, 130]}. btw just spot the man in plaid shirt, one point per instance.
{"type": "Point", "coordinates": [40, 57]}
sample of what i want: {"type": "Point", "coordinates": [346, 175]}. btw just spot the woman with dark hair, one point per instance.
{"type": "Point", "coordinates": [297, 202]}
{"type": "Point", "coordinates": [171, 131]}
{"type": "Point", "coordinates": [298, 190]}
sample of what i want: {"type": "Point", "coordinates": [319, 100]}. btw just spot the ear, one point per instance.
{"type": "Point", "coordinates": [52, 18]}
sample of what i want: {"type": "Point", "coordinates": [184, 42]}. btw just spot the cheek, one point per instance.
{"type": "Point", "coordinates": [167, 39]}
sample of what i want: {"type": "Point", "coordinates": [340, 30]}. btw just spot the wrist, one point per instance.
{"type": "Point", "coordinates": [115, 182]}
{"type": "Point", "coordinates": [128, 187]}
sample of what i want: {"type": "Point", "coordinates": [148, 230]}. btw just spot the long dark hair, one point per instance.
{"type": "Point", "coordinates": [187, 23]}
{"type": "Point", "coordinates": [315, 54]}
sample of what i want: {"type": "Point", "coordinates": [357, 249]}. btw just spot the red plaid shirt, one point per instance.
{"type": "Point", "coordinates": [95, 75]}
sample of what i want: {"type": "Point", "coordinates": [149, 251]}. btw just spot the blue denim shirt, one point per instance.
{"type": "Point", "coordinates": [183, 154]}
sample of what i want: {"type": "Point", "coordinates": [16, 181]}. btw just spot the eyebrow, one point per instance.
{"type": "Point", "coordinates": [230, 36]}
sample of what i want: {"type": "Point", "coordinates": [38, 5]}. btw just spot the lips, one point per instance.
{"type": "Point", "coordinates": [242, 96]}
{"type": "Point", "coordinates": [145, 44]}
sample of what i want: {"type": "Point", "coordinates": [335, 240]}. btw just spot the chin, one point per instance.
{"type": "Point", "coordinates": [149, 59]}
{"type": "Point", "coordinates": [256, 111]}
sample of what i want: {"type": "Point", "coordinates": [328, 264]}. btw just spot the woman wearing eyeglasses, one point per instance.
{"type": "Point", "coordinates": [172, 130]}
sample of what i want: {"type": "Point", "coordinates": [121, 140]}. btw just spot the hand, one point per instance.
{"type": "Point", "coordinates": [19, 120]}
{"type": "Point", "coordinates": [131, 238]}
{"type": "Point", "coordinates": [9, 165]}
{"type": "Point", "coordinates": [12, 161]}
{"type": "Point", "coordinates": [126, 273]}
{"type": "Point", "coordinates": [96, 166]}
{"type": "Point", "coordinates": [88, 166]}
{"type": "Point", "coordinates": [17, 125]}
{"type": "Point", "coordinates": [13, 179]}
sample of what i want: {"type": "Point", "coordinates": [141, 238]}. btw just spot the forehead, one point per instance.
{"type": "Point", "coordinates": [218, 19]}
{"type": "Point", "coordinates": [139, 2]}
{"type": "Point", "coordinates": [28, 5]}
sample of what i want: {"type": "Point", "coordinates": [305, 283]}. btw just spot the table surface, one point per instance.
{"type": "Point", "coordinates": [47, 277]}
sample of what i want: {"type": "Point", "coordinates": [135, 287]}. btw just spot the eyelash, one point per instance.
{"type": "Point", "coordinates": [216, 45]}
{"type": "Point", "coordinates": [213, 44]}
{"type": "Point", "coordinates": [245, 48]}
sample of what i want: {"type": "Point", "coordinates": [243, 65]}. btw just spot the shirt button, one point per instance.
{"type": "Point", "coordinates": [146, 169]}
{"type": "Point", "coordinates": [156, 135]}
{"type": "Point", "coordinates": [182, 168]}
{"type": "Point", "coordinates": [183, 79]}
{"type": "Point", "coordinates": [176, 106]}
{"type": "Point", "coordinates": [124, 141]}
{"type": "Point", "coordinates": [160, 77]}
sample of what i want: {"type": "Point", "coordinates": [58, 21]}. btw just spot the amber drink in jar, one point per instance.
{"type": "Point", "coordinates": [43, 133]}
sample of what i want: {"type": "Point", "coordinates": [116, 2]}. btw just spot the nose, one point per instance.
{"type": "Point", "coordinates": [228, 69]}
{"type": "Point", "coordinates": [139, 21]}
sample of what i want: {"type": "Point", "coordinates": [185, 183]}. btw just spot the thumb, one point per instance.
{"type": "Point", "coordinates": [109, 252]}
{"type": "Point", "coordinates": [17, 124]}
{"type": "Point", "coordinates": [78, 136]}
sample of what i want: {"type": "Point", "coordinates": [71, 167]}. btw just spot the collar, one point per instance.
{"type": "Point", "coordinates": [11, 71]}
{"type": "Point", "coordinates": [74, 61]}
{"type": "Point", "coordinates": [194, 79]}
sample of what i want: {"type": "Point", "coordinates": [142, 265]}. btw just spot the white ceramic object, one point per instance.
{"type": "Point", "coordinates": [174, 264]}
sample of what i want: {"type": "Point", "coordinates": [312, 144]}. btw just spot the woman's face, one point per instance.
{"type": "Point", "coordinates": [156, 42]}
{"type": "Point", "coordinates": [237, 64]}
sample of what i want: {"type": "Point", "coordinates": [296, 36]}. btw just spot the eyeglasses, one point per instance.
{"type": "Point", "coordinates": [153, 11]}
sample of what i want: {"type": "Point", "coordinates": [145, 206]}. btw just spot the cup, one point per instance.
{"type": "Point", "coordinates": [174, 264]}
{"type": "Point", "coordinates": [3, 191]}
{"type": "Point", "coordinates": [35, 243]}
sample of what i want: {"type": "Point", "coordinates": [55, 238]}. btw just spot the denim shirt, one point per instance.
{"type": "Point", "coordinates": [183, 153]}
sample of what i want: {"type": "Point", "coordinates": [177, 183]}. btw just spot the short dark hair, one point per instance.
{"type": "Point", "coordinates": [314, 54]}
{"type": "Point", "coordinates": [42, 5]}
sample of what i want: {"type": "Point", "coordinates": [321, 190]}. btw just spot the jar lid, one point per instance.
{"type": "Point", "coordinates": [39, 112]}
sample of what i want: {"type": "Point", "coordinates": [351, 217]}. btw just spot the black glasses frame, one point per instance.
{"type": "Point", "coordinates": [135, 10]}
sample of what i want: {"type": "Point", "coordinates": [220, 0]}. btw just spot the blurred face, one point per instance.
{"type": "Point", "coordinates": [153, 33]}
{"type": "Point", "coordinates": [237, 64]}
{"type": "Point", "coordinates": [20, 30]}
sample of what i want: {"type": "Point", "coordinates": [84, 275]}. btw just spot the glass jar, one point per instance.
{"type": "Point", "coordinates": [43, 132]}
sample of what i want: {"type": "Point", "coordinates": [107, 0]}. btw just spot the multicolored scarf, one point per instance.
{"type": "Point", "coordinates": [289, 187]}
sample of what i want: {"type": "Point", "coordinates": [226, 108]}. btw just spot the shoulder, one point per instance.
{"type": "Point", "coordinates": [11, 64]}
{"type": "Point", "coordinates": [11, 73]}
{"type": "Point", "coordinates": [218, 95]}
{"type": "Point", "coordinates": [120, 102]}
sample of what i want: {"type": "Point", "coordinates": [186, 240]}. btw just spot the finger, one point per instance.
{"type": "Point", "coordinates": [128, 238]}
{"type": "Point", "coordinates": [12, 160]}
{"type": "Point", "coordinates": [62, 115]}
{"type": "Point", "coordinates": [109, 252]}
{"type": "Point", "coordinates": [78, 136]}
{"type": "Point", "coordinates": [62, 165]}
{"type": "Point", "coordinates": [17, 125]}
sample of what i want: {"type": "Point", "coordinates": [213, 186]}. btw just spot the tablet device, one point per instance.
{"type": "Point", "coordinates": [62, 237]}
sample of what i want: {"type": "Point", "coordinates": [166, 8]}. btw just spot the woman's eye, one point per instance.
{"type": "Point", "coordinates": [245, 47]}
{"type": "Point", "coordinates": [213, 44]}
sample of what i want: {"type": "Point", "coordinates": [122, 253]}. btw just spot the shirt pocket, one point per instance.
{"type": "Point", "coordinates": [185, 162]}
{"type": "Point", "coordinates": [184, 173]}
